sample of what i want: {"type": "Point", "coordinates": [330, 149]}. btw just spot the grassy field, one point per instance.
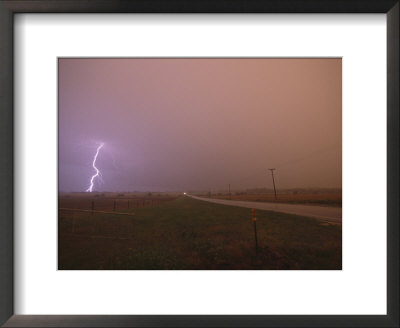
{"type": "Point", "coordinates": [183, 233]}
{"type": "Point", "coordinates": [321, 199]}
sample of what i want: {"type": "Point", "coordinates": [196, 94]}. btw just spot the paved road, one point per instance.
{"type": "Point", "coordinates": [329, 214]}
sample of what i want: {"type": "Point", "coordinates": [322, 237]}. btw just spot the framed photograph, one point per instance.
{"type": "Point", "coordinates": [145, 192]}
{"type": "Point", "coordinates": [199, 164]}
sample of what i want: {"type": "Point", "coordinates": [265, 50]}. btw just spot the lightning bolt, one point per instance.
{"type": "Point", "coordinates": [97, 174]}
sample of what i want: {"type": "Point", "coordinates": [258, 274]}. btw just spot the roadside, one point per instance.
{"type": "Point", "coordinates": [324, 213]}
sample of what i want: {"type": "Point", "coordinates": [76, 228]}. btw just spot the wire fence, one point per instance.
{"type": "Point", "coordinates": [100, 218]}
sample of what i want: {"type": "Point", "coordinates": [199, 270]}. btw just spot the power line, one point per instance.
{"type": "Point", "coordinates": [309, 155]}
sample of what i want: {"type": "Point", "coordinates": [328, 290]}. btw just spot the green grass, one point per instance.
{"type": "Point", "coordinates": [192, 234]}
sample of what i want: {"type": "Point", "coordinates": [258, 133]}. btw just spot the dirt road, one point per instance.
{"type": "Point", "coordinates": [324, 213]}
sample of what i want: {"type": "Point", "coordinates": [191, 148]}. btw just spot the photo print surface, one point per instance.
{"type": "Point", "coordinates": [200, 164]}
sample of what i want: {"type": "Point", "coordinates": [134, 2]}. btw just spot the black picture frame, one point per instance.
{"type": "Point", "coordinates": [10, 7]}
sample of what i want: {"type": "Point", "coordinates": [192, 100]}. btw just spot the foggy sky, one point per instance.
{"type": "Point", "coordinates": [195, 124]}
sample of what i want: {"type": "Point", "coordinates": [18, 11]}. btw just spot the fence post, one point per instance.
{"type": "Point", "coordinates": [253, 212]}
{"type": "Point", "coordinates": [115, 205]}
{"type": "Point", "coordinates": [73, 221]}
{"type": "Point", "coordinates": [128, 204]}
{"type": "Point", "coordinates": [92, 206]}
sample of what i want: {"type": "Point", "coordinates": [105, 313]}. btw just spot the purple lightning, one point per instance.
{"type": "Point", "coordinates": [94, 166]}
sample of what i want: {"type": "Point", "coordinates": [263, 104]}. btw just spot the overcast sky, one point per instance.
{"type": "Point", "coordinates": [195, 124]}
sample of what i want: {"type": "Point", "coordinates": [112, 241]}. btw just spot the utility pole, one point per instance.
{"type": "Point", "coordinates": [273, 181]}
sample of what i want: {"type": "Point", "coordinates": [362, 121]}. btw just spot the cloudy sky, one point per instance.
{"type": "Point", "coordinates": [195, 124]}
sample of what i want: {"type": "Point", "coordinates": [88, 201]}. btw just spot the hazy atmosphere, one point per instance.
{"type": "Point", "coordinates": [200, 124]}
